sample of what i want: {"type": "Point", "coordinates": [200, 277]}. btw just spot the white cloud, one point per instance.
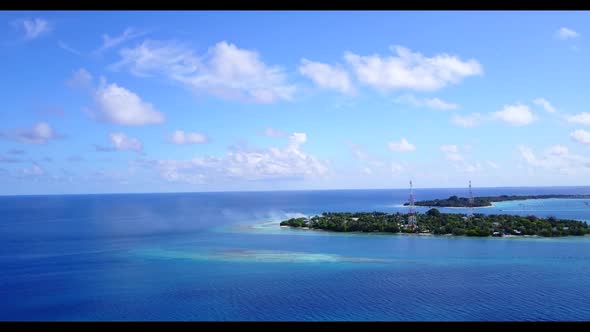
{"type": "Point", "coordinates": [326, 76]}
{"type": "Point", "coordinates": [580, 118]}
{"type": "Point", "coordinates": [34, 28]}
{"type": "Point", "coordinates": [527, 154]}
{"type": "Point", "coordinates": [565, 33]}
{"type": "Point", "coordinates": [81, 79]}
{"type": "Point", "coordinates": [467, 121]}
{"type": "Point", "coordinates": [434, 103]}
{"type": "Point", "coordinates": [35, 170]}
{"type": "Point", "coordinates": [451, 153]}
{"type": "Point", "coordinates": [409, 70]}
{"type": "Point", "coordinates": [516, 115]}
{"type": "Point", "coordinates": [454, 157]}
{"type": "Point", "coordinates": [556, 158]}
{"type": "Point", "coordinates": [470, 167]}
{"type": "Point", "coordinates": [272, 132]}
{"type": "Point", "coordinates": [460, 163]}
{"type": "Point", "coordinates": [290, 162]}
{"type": "Point", "coordinates": [297, 138]}
{"type": "Point", "coordinates": [121, 106]}
{"type": "Point", "coordinates": [402, 146]}
{"type": "Point", "coordinates": [371, 162]}
{"type": "Point", "coordinates": [170, 59]}
{"type": "Point", "coordinates": [358, 152]}
{"type": "Point", "coordinates": [557, 150]}
{"type": "Point", "coordinates": [181, 137]}
{"type": "Point", "coordinates": [225, 71]}
{"type": "Point", "coordinates": [545, 104]}
{"type": "Point", "coordinates": [493, 164]}
{"type": "Point", "coordinates": [68, 48]}
{"type": "Point", "coordinates": [581, 136]}
{"type": "Point", "coordinates": [396, 168]}
{"type": "Point", "coordinates": [122, 142]}
{"type": "Point", "coordinates": [439, 104]}
{"type": "Point", "coordinates": [110, 42]}
{"type": "Point", "coordinates": [449, 148]}
{"type": "Point", "coordinates": [41, 133]}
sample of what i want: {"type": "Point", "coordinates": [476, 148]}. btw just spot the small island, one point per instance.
{"type": "Point", "coordinates": [455, 201]}
{"type": "Point", "coordinates": [435, 222]}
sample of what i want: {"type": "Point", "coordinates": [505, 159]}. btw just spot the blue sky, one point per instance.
{"type": "Point", "coordinates": [210, 101]}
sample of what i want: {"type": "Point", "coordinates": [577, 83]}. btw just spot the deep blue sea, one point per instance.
{"type": "Point", "coordinates": [223, 257]}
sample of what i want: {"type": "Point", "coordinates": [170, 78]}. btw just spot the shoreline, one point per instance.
{"type": "Point", "coordinates": [512, 236]}
{"type": "Point", "coordinates": [457, 207]}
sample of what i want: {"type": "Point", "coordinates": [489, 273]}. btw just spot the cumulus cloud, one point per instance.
{"type": "Point", "coordinates": [371, 162]}
{"type": "Point", "coordinates": [357, 151]}
{"type": "Point", "coordinates": [34, 171]}
{"type": "Point", "coordinates": [225, 71]}
{"type": "Point", "coordinates": [558, 150]}
{"type": "Point", "coordinates": [454, 157]}
{"type": "Point", "coordinates": [449, 148]}
{"type": "Point", "coordinates": [411, 70]}
{"type": "Point", "coordinates": [80, 79]}
{"type": "Point", "coordinates": [396, 168]}
{"type": "Point", "coordinates": [402, 146]}
{"type": "Point", "coordinates": [555, 158]}
{"type": "Point", "coordinates": [439, 104]}
{"type": "Point", "coordinates": [451, 153]}
{"type": "Point", "coordinates": [181, 137]}
{"type": "Point", "coordinates": [545, 104]}
{"type": "Point", "coordinates": [565, 33]}
{"type": "Point", "coordinates": [272, 132]}
{"type": "Point", "coordinates": [290, 162]}
{"type": "Point", "coordinates": [470, 167]}
{"type": "Point", "coordinates": [122, 142]}
{"type": "Point", "coordinates": [462, 164]}
{"type": "Point", "coordinates": [467, 121]}
{"type": "Point", "coordinates": [581, 136]}
{"type": "Point", "coordinates": [34, 28]}
{"type": "Point", "coordinates": [433, 103]}
{"type": "Point", "coordinates": [41, 133]}
{"type": "Point", "coordinates": [115, 103]}
{"type": "Point", "coordinates": [516, 115]}
{"type": "Point", "coordinates": [493, 164]}
{"type": "Point", "coordinates": [580, 118]}
{"type": "Point", "coordinates": [326, 76]}
{"type": "Point", "coordinates": [121, 106]}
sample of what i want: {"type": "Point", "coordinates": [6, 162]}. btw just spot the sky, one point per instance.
{"type": "Point", "coordinates": [148, 101]}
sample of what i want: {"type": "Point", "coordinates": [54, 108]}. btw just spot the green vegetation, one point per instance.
{"type": "Point", "coordinates": [455, 201]}
{"type": "Point", "coordinates": [435, 222]}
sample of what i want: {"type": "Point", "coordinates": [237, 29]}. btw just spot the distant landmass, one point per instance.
{"type": "Point", "coordinates": [435, 222]}
{"type": "Point", "coordinates": [455, 201]}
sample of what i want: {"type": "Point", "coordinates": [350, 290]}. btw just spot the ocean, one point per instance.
{"type": "Point", "coordinates": [223, 257]}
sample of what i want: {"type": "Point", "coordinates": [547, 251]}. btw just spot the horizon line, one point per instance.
{"type": "Point", "coordinates": [278, 190]}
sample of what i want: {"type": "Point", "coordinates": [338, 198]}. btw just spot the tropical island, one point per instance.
{"type": "Point", "coordinates": [455, 201]}
{"type": "Point", "coordinates": [435, 222]}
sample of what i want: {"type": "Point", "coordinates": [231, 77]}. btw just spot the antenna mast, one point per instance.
{"type": "Point", "coordinates": [470, 200]}
{"type": "Point", "coordinates": [411, 212]}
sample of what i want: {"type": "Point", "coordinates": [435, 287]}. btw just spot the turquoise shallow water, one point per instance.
{"type": "Point", "coordinates": [222, 256]}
